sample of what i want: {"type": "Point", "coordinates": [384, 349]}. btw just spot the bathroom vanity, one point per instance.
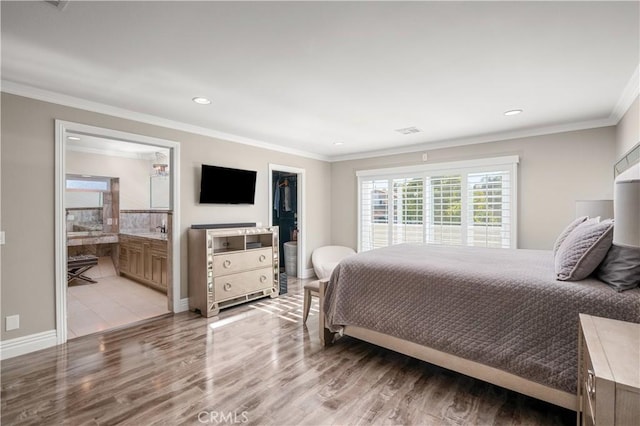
{"type": "Point", "coordinates": [143, 258]}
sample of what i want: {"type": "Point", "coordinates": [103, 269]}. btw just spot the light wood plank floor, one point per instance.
{"type": "Point", "coordinates": [254, 364]}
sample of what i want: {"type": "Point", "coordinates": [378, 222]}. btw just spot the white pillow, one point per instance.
{"type": "Point", "coordinates": [583, 250]}
{"type": "Point", "coordinates": [565, 233]}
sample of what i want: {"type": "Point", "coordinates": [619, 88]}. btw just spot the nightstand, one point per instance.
{"type": "Point", "coordinates": [608, 372]}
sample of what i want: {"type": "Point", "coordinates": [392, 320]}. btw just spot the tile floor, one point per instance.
{"type": "Point", "coordinates": [112, 302]}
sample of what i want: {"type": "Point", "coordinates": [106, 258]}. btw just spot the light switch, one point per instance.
{"type": "Point", "coordinates": [1, 238]}
{"type": "Point", "coordinates": [12, 322]}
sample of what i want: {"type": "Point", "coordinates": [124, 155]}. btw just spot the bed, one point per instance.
{"type": "Point", "coordinates": [498, 315]}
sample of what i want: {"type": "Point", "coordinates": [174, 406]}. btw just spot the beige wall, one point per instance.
{"type": "Point", "coordinates": [628, 130]}
{"type": "Point", "coordinates": [133, 173]}
{"type": "Point", "coordinates": [27, 194]}
{"type": "Point", "coordinates": [554, 172]}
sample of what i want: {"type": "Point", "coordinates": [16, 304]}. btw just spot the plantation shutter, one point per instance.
{"type": "Point", "coordinates": [374, 214]}
{"type": "Point", "coordinates": [444, 212]}
{"type": "Point", "coordinates": [408, 212]}
{"type": "Point", "coordinates": [462, 203]}
{"type": "Point", "coordinates": [489, 209]}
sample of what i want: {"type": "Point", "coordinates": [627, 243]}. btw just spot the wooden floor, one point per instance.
{"type": "Point", "coordinates": [254, 364]}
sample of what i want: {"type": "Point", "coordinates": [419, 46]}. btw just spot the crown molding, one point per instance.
{"type": "Point", "coordinates": [629, 94]}
{"type": "Point", "coordinates": [492, 137]}
{"type": "Point", "coordinates": [74, 102]}
{"type": "Point", "coordinates": [627, 97]}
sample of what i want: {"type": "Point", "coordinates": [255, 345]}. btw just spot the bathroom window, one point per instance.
{"type": "Point", "coordinates": [87, 184]}
{"type": "Point", "coordinates": [85, 192]}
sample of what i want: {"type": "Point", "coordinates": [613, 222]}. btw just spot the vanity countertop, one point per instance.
{"type": "Point", "coordinates": [90, 237]}
{"type": "Point", "coordinates": [152, 235]}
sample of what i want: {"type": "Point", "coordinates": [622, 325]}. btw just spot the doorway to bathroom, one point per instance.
{"type": "Point", "coordinates": [286, 194]}
{"type": "Point", "coordinates": [116, 257]}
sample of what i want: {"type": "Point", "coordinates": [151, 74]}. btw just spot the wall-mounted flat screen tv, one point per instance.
{"type": "Point", "coordinates": [222, 185]}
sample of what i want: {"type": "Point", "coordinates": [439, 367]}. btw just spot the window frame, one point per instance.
{"type": "Point", "coordinates": [465, 167]}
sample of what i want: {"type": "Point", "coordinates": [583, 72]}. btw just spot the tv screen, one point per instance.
{"type": "Point", "coordinates": [221, 185]}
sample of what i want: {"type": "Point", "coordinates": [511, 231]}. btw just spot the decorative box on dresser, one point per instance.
{"type": "Point", "coordinates": [609, 372]}
{"type": "Point", "coordinates": [228, 266]}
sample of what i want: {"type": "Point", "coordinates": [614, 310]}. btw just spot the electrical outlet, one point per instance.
{"type": "Point", "coordinates": [109, 221]}
{"type": "Point", "coordinates": [12, 322]}
{"type": "Point", "coordinates": [425, 157]}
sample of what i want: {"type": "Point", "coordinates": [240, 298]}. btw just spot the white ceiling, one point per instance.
{"type": "Point", "coordinates": [303, 75]}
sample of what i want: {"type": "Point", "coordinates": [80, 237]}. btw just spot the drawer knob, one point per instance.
{"type": "Point", "coordinates": [262, 258]}
{"type": "Point", "coordinates": [226, 263]}
{"type": "Point", "coordinates": [227, 286]}
{"type": "Point", "coordinates": [263, 278]}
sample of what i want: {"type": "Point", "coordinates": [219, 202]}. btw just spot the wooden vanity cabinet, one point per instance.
{"type": "Point", "coordinates": [144, 260]}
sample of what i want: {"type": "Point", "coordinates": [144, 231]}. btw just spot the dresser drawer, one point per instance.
{"type": "Point", "coordinates": [230, 286]}
{"type": "Point", "coordinates": [588, 390]}
{"type": "Point", "coordinates": [231, 263]}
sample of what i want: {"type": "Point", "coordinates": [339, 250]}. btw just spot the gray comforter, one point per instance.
{"type": "Point", "coordinates": [503, 308]}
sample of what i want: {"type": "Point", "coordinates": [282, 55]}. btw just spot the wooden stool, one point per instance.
{"type": "Point", "coordinates": [311, 289]}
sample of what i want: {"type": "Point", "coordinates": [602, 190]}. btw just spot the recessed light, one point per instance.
{"type": "Point", "coordinates": [513, 112]}
{"type": "Point", "coordinates": [338, 143]}
{"type": "Point", "coordinates": [408, 130]}
{"type": "Point", "coordinates": [73, 138]}
{"type": "Point", "coordinates": [200, 100]}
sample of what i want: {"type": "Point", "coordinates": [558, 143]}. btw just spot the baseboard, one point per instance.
{"type": "Point", "coordinates": [183, 306]}
{"type": "Point", "coordinates": [307, 273]}
{"type": "Point", "coordinates": [26, 344]}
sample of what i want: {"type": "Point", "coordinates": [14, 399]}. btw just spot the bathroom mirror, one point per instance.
{"type": "Point", "coordinates": [160, 191]}
{"type": "Point", "coordinates": [83, 199]}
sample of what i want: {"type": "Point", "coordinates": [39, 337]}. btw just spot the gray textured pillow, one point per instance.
{"type": "Point", "coordinates": [565, 233]}
{"type": "Point", "coordinates": [583, 250]}
{"type": "Point", "coordinates": [621, 268]}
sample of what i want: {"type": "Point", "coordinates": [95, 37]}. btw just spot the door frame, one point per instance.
{"type": "Point", "coordinates": [61, 129]}
{"type": "Point", "coordinates": [302, 209]}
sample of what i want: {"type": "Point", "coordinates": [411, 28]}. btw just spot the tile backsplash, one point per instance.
{"type": "Point", "coordinates": [84, 219]}
{"type": "Point", "coordinates": [141, 221]}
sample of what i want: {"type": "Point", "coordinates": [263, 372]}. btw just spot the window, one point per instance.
{"type": "Point", "coordinates": [85, 192]}
{"type": "Point", "coordinates": [463, 203]}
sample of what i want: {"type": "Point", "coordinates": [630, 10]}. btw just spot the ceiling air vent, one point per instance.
{"type": "Point", "coordinates": [408, 130]}
{"type": "Point", "coordinates": [60, 4]}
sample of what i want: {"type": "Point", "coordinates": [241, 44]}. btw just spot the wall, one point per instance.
{"type": "Point", "coordinates": [554, 172]}
{"type": "Point", "coordinates": [134, 175]}
{"type": "Point", "coordinates": [628, 129]}
{"type": "Point", "coordinates": [28, 191]}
